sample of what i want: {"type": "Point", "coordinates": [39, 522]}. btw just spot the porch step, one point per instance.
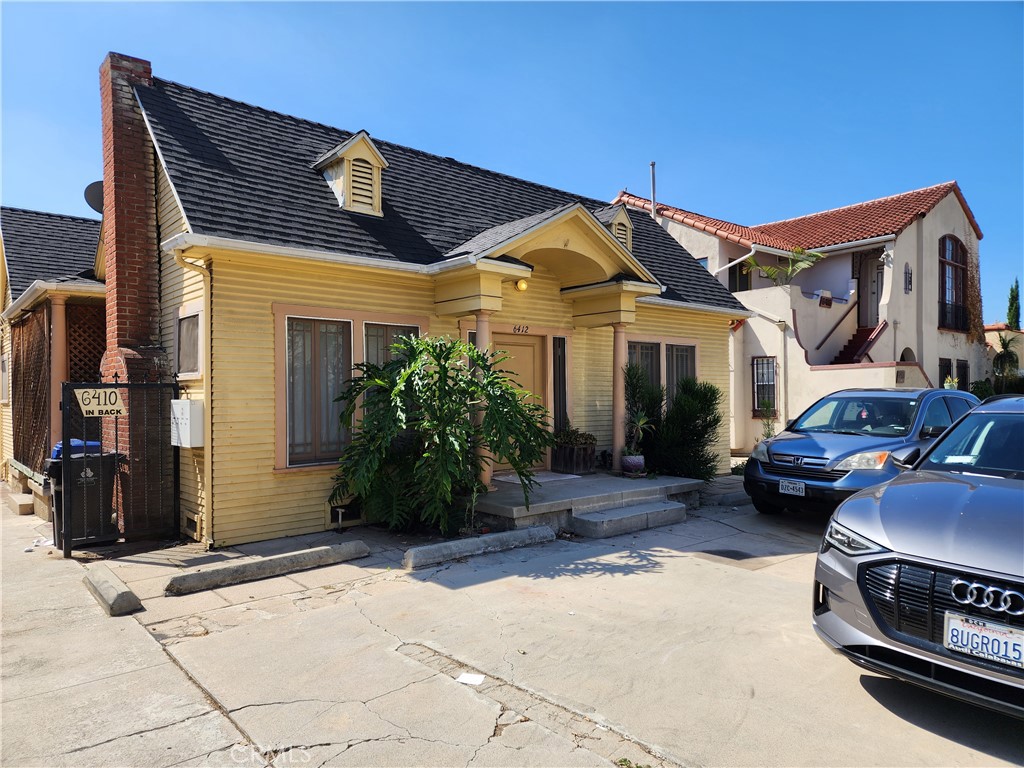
{"type": "Point", "coordinates": [601, 524]}
{"type": "Point", "coordinates": [20, 503]}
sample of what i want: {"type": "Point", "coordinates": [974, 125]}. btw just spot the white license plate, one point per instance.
{"type": "Point", "coordinates": [792, 487]}
{"type": "Point", "coordinates": [984, 639]}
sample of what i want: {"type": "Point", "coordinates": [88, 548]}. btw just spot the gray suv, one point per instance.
{"type": "Point", "coordinates": [922, 578]}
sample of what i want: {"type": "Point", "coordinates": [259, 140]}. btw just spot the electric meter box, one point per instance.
{"type": "Point", "coordinates": [187, 423]}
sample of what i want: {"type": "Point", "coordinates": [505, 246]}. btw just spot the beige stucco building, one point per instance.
{"type": "Point", "coordinates": [895, 302]}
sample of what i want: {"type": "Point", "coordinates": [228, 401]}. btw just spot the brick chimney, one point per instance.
{"type": "Point", "coordinates": [129, 227]}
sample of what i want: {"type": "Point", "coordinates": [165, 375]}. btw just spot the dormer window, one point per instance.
{"type": "Point", "coordinates": [622, 229]}
{"type": "Point", "coordinates": [353, 170]}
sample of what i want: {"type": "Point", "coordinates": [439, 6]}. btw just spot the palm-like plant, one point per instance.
{"type": "Point", "coordinates": [1006, 362]}
{"type": "Point", "coordinates": [783, 273]}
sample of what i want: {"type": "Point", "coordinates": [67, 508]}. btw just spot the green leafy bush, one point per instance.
{"type": "Point", "coordinates": [685, 443]}
{"type": "Point", "coordinates": [413, 454]}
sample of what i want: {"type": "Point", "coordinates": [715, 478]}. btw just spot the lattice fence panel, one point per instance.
{"type": "Point", "coordinates": [87, 341]}
{"type": "Point", "coordinates": [30, 390]}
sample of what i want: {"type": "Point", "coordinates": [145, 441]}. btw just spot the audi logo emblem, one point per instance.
{"type": "Point", "coordinates": [983, 596]}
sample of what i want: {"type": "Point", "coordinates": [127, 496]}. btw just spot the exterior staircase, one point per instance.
{"type": "Point", "coordinates": [848, 354]}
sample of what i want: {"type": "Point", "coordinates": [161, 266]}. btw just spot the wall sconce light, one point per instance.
{"type": "Point", "coordinates": [521, 285]}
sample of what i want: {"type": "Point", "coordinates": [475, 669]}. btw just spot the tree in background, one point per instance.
{"type": "Point", "coordinates": [1013, 307]}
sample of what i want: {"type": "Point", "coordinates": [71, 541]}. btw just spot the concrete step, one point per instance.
{"type": "Point", "coordinates": [618, 499]}
{"type": "Point", "coordinates": [21, 503]}
{"type": "Point", "coordinates": [601, 524]}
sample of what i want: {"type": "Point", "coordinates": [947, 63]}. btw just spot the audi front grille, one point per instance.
{"type": "Point", "coordinates": [911, 601]}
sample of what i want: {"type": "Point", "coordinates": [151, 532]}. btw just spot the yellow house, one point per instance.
{"type": "Point", "coordinates": [287, 251]}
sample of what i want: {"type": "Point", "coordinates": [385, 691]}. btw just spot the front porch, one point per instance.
{"type": "Point", "coordinates": [595, 506]}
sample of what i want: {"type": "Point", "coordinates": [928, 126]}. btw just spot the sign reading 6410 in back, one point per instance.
{"type": "Point", "coordinates": [100, 402]}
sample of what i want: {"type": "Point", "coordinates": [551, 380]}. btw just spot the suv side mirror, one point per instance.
{"type": "Point", "coordinates": [905, 458]}
{"type": "Point", "coordinates": [932, 431]}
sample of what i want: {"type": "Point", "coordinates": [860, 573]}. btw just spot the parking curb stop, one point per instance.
{"type": "Point", "coordinates": [226, 574]}
{"type": "Point", "coordinates": [110, 592]}
{"type": "Point", "coordinates": [434, 554]}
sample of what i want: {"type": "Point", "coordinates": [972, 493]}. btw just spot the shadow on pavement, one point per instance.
{"type": "Point", "coordinates": [991, 733]}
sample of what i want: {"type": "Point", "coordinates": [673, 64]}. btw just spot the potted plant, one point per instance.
{"type": "Point", "coordinates": [573, 453]}
{"type": "Point", "coordinates": [637, 425]}
{"type": "Point", "coordinates": [951, 382]}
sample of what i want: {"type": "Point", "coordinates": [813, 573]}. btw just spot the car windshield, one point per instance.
{"type": "Point", "coordinates": [867, 414]}
{"type": "Point", "coordinates": [982, 444]}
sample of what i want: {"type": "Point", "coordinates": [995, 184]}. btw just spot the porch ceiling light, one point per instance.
{"type": "Point", "coordinates": [521, 285]}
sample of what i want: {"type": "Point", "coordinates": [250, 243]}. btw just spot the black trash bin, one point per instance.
{"type": "Point", "coordinates": [90, 493]}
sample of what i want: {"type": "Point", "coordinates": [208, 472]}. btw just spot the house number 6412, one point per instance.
{"type": "Point", "coordinates": [520, 329]}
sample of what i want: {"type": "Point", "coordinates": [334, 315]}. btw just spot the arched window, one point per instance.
{"type": "Point", "coordinates": [952, 284]}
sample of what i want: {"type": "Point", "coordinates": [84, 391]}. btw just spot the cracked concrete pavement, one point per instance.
{"type": "Point", "coordinates": [685, 645]}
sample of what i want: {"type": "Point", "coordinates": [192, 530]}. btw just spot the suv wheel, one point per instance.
{"type": "Point", "coordinates": [765, 508]}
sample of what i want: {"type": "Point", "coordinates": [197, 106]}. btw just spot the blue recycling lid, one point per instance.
{"type": "Point", "coordinates": [76, 446]}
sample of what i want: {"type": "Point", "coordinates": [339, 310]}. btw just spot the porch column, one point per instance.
{"type": "Point", "coordinates": [483, 343]}
{"type": "Point", "coordinates": [58, 362]}
{"type": "Point", "coordinates": [619, 357]}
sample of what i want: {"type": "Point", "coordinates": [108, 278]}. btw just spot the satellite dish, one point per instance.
{"type": "Point", "coordinates": [94, 196]}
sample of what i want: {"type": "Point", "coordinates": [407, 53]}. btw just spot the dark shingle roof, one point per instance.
{"type": "Point", "coordinates": [245, 173]}
{"type": "Point", "coordinates": [47, 246]}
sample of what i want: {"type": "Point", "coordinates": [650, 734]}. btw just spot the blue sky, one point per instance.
{"type": "Point", "coordinates": [753, 112]}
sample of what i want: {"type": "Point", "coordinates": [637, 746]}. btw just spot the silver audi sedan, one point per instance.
{"type": "Point", "coordinates": [921, 578]}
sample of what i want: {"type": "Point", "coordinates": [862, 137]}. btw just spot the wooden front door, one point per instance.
{"type": "Point", "coordinates": [526, 365]}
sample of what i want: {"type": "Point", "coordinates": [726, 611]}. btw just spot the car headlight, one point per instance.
{"type": "Point", "coordinates": [848, 542]}
{"type": "Point", "coordinates": [760, 452]}
{"type": "Point", "coordinates": [868, 460]}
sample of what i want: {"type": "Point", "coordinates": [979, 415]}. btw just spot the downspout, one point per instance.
{"type": "Point", "coordinates": [740, 260]}
{"type": "Point", "coordinates": [204, 273]}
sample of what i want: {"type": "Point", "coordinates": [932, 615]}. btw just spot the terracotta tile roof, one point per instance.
{"type": "Point", "coordinates": [885, 216]}
{"type": "Point", "coordinates": [727, 230]}
{"type": "Point", "coordinates": [874, 218]}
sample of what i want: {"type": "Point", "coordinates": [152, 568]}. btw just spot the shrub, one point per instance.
{"type": "Point", "coordinates": [982, 389]}
{"type": "Point", "coordinates": [574, 437]}
{"type": "Point", "coordinates": [685, 444]}
{"type": "Point", "coordinates": [413, 455]}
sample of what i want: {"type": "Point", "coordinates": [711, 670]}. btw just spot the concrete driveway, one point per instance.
{"type": "Point", "coordinates": [688, 645]}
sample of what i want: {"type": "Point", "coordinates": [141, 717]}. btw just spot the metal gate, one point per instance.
{"type": "Point", "coordinates": [118, 474]}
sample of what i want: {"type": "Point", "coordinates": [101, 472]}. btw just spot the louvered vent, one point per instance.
{"type": "Point", "coordinates": [622, 233]}
{"type": "Point", "coordinates": [362, 183]}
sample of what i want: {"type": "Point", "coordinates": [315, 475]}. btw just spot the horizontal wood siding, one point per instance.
{"type": "Point", "coordinates": [168, 212]}
{"type": "Point", "coordinates": [252, 500]}
{"type": "Point", "coordinates": [178, 287]}
{"type": "Point", "coordinates": [711, 332]}
{"type": "Point", "coordinates": [591, 382]}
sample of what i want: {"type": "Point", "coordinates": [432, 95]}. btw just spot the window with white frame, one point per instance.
{"type": "Point", "coordinates": [187, 351]}
{"type": "Point", "coordinates": [319, 361]}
